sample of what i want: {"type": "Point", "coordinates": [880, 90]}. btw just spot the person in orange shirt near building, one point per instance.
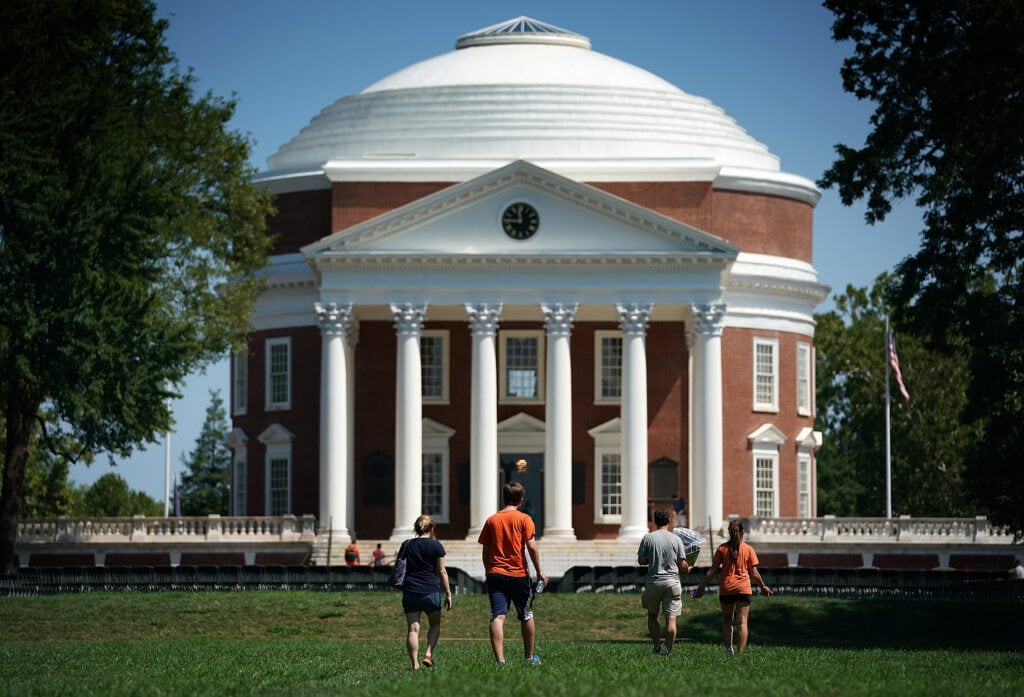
{"type": "Point", "coordinates": [738, 563]}
{"type": "Point", "coordinates": [507, 537]}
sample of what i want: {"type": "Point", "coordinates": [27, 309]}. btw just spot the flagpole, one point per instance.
{"type": "Point", "coordinates": [888, 444]}
{"type": "Point", "coordinates": [167, 467]}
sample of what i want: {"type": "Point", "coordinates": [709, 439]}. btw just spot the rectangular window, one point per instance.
{"type": "Point", "coordinates": [433, 486]}
{"type": "Point", "coordinates": [803, 379]}
{"type": "Point", "coordinates": [240, 376]}
{"type": "Point", "coordinates": [803, 486]}
{"type": "Point", "coordinates": [522, 366]}
{"type": "Point", "coordinates": [607, 367]}
{"type": "Point", "coordinates": [611, 484]}
{"type": "Point", "coordinates": [279, 368]}
{"type": "Point", "coordinates": [764, 487]}
{"type": "Point", "coordinates": [238, 490]}
{"type": "Point", "coordinates": [766, 375]}
{"type": "Point", "coordinates": [434, 365]}
{"type": "Point", "coordinates": [279, 486]}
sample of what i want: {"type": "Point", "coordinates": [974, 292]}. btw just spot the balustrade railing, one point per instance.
{"type": "Point", "coordinates": [904, 529]}
{"type": "Point", "coordinates": [142, 529]}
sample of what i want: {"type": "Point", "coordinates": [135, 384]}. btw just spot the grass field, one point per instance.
{"type": "Point", "coordinates": [311, 643]}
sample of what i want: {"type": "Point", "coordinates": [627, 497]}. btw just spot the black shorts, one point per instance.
{"type": "Point", "coordinates": [736, 598]}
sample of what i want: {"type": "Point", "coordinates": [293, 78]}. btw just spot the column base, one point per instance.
{"type": "Point", "coordinates": [402, 534]}
{"type": "Point", "coordinates": [630, 533]}
{"type": "Point", "coordinates": [474, 534]}
{"type": "Point", "coordinates": [552, 534]}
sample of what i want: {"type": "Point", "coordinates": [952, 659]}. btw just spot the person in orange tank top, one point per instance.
{"type": "Point", "coordinates": [507, 537]}
{"type": "Point", "coordinates": [737, 562]}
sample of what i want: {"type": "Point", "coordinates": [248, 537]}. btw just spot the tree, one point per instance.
{"type": "Point", "coordinates": [110, 496]}
{"type": "Point", "coordinates": [205, 487]}
{"type": "Point", "coordinates": [948, 83]}
{"type": "Point", "coordinates": [929, 439]}
{"type": "Point", "coordinates": [130, 232]}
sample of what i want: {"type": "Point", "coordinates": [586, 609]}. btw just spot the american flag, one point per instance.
{"type": "Point", "coordinates": [894, 363]}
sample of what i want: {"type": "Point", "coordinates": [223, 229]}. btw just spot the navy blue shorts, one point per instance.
{"type": "Point", "coordinates": [421, 602]}
{"type": "Point", "coordinates": [736, 598]}
{"type": "Point", "coordinates": [506, 590]}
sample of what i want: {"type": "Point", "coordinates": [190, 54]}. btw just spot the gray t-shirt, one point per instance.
{"type": "Point", "coordinates": [663, 551]}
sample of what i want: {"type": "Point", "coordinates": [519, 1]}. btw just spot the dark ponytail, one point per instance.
{"type": "Point", "coordinates": [735, 532]}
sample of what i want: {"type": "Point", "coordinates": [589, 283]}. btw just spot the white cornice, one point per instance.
{"type": "Point", "coordinates": [758, 181]}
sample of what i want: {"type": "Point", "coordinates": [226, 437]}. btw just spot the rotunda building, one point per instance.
{"type": "Point", "coordinates": [524, 259]}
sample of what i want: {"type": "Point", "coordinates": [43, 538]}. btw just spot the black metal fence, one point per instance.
{"type": "Point", "coordinates": [935, 584]}
{"type": "Point", "coordinates": [78, 579]}
{"type": "Point", "coordinates": [802, 581]}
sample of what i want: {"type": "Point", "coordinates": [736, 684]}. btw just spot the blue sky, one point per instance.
{"type": "Point", "coordinates": [771, 65]}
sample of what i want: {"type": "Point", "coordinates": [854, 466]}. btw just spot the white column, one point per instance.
{"type": "Point", "coordinates": [408, 420]}
{"type": "Point", "coordinates": [558, 319]}
{"type": "Point", "coordinates": [351, 339]}
{"type": "Point", "coordinates": [706, 468]}
{"type": "Point", "coordinates": [633, 321]}
{"type": "Point", "coordinates": [334, 420]}
{"type": "Point", "coordinates": [483, 420]}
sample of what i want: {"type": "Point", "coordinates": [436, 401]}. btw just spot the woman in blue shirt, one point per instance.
{"type": "Point", "coordinates": [424, 559]}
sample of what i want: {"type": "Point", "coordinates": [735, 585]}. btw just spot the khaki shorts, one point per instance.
{"type": "Point", "coordinates": [663, 595]}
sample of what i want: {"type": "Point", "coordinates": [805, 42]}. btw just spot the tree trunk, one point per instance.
{"type": "Point", "coordinates": [19, 427]}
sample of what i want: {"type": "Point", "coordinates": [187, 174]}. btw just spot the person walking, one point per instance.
{"type": "Point", "coordinates": [508, 536]}
{"type": "Point", "coordinates": [663, 554]}
{"type": "Point", "coordinates": [737, 562]}
{"type": "Point", "coordinates": [352, 553]}
{"type": "Point", "coordinates": [424, 567]}
{"type": "Point", "coordinates": [379, 555]}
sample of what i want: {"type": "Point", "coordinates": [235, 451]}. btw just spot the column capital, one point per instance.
{"type": "Point", "coordinates": [409, 318]}
{"type": "Point", "coordinates": [558, 318]}
{"type": "Point", "coordinates": [633, 318]}
{"type": "Point", "coordinates": [483, 318]}
{"type": "Point", "coordinates": [709, 319]}
{"type": "Point", "coordinates": [335, 319]}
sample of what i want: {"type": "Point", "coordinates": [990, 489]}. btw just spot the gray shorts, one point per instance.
{"type": "Point", "coordinates": [664, 595]}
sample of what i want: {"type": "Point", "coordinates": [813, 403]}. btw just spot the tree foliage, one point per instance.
{"type": "Point", "coordinates": [110, 497]}
{"type": "Point", "coordinates": [947, 80]}
{"type": "Point", "coordinates": [205, 486]}
{"type": "Point", "coordinates": [125, 207]}
{"type": "Point", "coordinates": [929, 440]}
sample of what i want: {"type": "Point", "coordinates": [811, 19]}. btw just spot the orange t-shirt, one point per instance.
{"type": "Point", "coordinates": [735, 578]}
{"type": "Point", "coordinates": [505, 534]}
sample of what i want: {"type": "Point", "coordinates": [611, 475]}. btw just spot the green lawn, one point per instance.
{"type": "Point", "coordinates": [310, 643]}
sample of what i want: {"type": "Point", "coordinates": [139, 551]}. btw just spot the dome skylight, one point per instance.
{"type": "Point", "coordinates": [522, 30]}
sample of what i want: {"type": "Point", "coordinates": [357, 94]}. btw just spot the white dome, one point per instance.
{"type": "Point", "coordinates": [523, 90]}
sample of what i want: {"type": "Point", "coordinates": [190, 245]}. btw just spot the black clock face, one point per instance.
{"type": "Point", "coordinates": [520, 221]}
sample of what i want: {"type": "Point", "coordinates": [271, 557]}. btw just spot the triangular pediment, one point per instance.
{"type": "Point", "coordinates": [576, 221]}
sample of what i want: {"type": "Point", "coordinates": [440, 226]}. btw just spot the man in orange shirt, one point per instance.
{"type": "Point", "coordinates": [507, 537]}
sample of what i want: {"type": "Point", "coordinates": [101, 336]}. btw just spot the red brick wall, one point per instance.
{"type": "Point", "coordinates": [355, 202]}
{"type": "Point", "coordinates": [303, 420]}
{"type": "Point", "coordinates": [764, 224]}
{"type": "Point", "coordinates": [302, 217]}
{"type": "Point", "coordinates": [740, 419]}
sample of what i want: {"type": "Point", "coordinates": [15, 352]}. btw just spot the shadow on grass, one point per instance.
{"type": "Point", "coordinates": [878, 624]}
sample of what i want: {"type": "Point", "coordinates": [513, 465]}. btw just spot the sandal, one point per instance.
{"type": "Point", "coordinates": [427, 663]}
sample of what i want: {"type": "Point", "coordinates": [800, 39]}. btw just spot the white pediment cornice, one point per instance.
{"type": "Point", "coordinates": [581, 225]}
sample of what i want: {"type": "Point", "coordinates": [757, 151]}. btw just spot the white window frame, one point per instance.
{"type": "Point", "coordinates": [240, 381]}
{"type": "Point", "coordinates": [270, 344]}
{"type": "Point", "coordinates": [607, 441]}
{"type": "Point", "coordinates": [238, 442]}
{"type": "Point", "coordinates": [444, 336]}
{"type": "Point", "coordinates": [804, 379]}
{"type": "Point", "coordinates": [504, 336]}
{"type": "Point", "coordinates": [759, 404]}
{"type": "Point", "coordinates": [436, 442]}
{"type": "Point", "coordinates": [599, 366]}
{"type": "Point", "coordinates": [804, 504]}
{"type": "Point", "coordinates": [768, 456]}
{"type": "Point", "coordinates": [278, 442]}
{"type": "Point", "coordinates": [238, 482]}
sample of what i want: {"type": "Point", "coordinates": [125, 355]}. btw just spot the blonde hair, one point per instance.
{"type": "Point", "coordinates": [423, 524]}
